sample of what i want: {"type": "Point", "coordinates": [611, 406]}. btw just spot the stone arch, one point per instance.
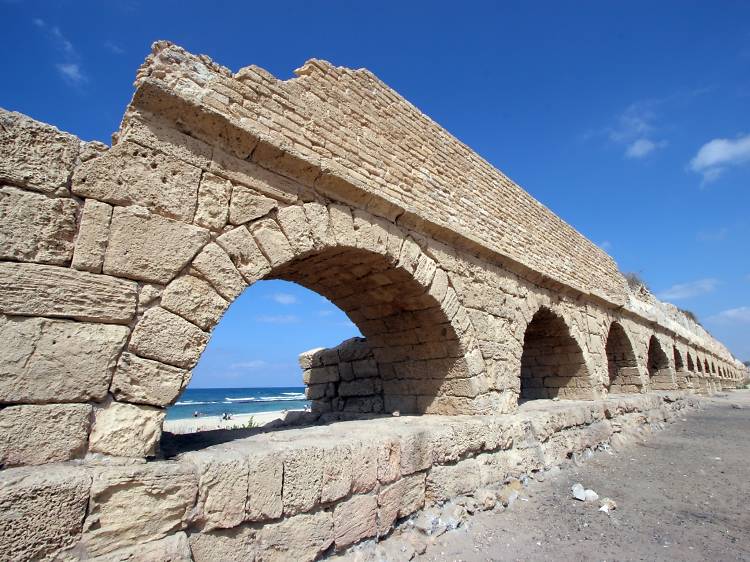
{"type": "Point", "coordinates": [690, 364]}
{"type": "Point", "coordinates": [698, 363]}
{"type": "Point", "coordinates": [553, 364]}
{"type": "Point", "coordinates": [622, 363]}
{"type": "Point", "coordinates": [426, 356]}
{"type": "Point", "coordinates": [680, 374]}
{"type": "Point", "coordinates": [706, 368]}
{"type": "Point", "coordinates": [659, 369]}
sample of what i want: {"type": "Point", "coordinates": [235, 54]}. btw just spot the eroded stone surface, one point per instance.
{"type": "Point", "coordinates": [42, 510]}
{"type": "Point", "coordinates": [92, 238]}
{"type": "Point", "coordinates": [133, 504]}
{"type": "Point", "coordinates": [174, 548]}
{"type": "Point", "coordinates": [36, 228]}
{"type": "Point", "coordinates": [126, 430]}
{"type": "Point", "coordinates": [35, 155]}
{"type": "Point", "coordinates": [213, 202]}
{"type": "Point", "coordinates": [149, 247]}
{"type": "Point", "coordinates": [45, 360]}
{"type": "Point", "coordinates": [45, 290]}
{"type": "Point", "coordinates": [168, 338]}
{"type": "Point", "coordinates": [43, 434]}
{"type": "Point", "coordinates": [195, 300]}
{"type": "Point", "coordinates": [131, 174]}
{"type": "Point", "coordinates": [142, 381]}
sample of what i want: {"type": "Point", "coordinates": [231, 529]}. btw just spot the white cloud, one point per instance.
{"type": "Point", "coordinates": [71, 72]}
{"type": "Point", "coordinates": [114, 48]}
{"type": "Point", "coordinates": [718, 154]}
{"type": "Point", "coordinates": [284, 298]}
{"type": "Point", "coordinates": [277, 319]}
{"type": "Point", "coordinates": [635, 129]}
{"type": "Point", "coordinates": [688, 290]}
{"type": "Point", "coordinates": [739, 315]}
{"type": "Point", "coordinates": [643, 147]}
{"type": "Point", "coordinates": [70, 69]}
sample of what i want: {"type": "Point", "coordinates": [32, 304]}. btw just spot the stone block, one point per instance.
{"type": "Point", "coordinates": [43, 510]}
{"type": "Point", "coordinates": [337, 473]}
{"type": "Point", "coordinates": [126, 430]}
{"type": "Point", "coordinates": [213, 202]}
{"type": "Point", "coordinates": [131, 174]}
{"type": "Point", "coordinates": [149, 247]}
{"type": "Point", "coordinates": [36, 228]}
{"type": "Point", "coordinates": [168, 338]}
{"type": "Point", "coordinates": [174, 548]}
{"type": "Point", "coordinates": [43, 434]}
{"type": "Point", "coordinates": [134, 504]}
{"type": "Point", "coordinates": [44, 360]}
{"type": "Point", "coordinates": [354, 520]}
{"type": "Point", "coordinates": [389, 460]}
{"type": "Point", "coordinates": [195, 300]}
{"type": "Point", "coordinates": [264, 490]}
{"type": "Point", "coordinates": [416, 453]}
{"type": "Point", "coordinates": [142, 381]}
{"type": "Point", "coordinates": [448, 481]}
{"type": "Point", "coordinates": [364, 466]}
{"type": "Point", "coordinates": [293, 223]}
{"type": "Point", "coordinates": [320, 225]}
{"type": "Point", "coordinates": [247, 205]}
{"type": "Point", "coordinates": [303, 479]}
{"type": "Point", "coordinates": [272, 242]}
{"type": "Point", "coordinates": [321, 375]}
{"type": "Point", "coordinates": [253, 176]}
{"type": "Point", "coordinates": [225, 545]}
{"type": "Point", "coordinates": [162, 136]}
{"type": "Point", "coordinates": [59, 292]}
{"type": "Point", "coordinates": [222, 488]}
{"type": "Point", "coordinates": [400, 499]}
{"type": "Point", "coordinates": [214, 264]}
{"type": "Point", "coordinates": [244, 253]}
{"type": "Point", "coordinates": [302, 538]}
{"type": "Point", "coordinates": [35, 155]}
{"type": "Point", "coordinates": [92, 236]}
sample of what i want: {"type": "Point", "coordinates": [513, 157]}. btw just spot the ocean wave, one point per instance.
{"type": "Point", "coordinates": [288, 397]}
{"type": "Point", "coordinates": [195, 403]}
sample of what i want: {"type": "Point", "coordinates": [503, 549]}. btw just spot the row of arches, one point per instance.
{"type": "Point", "coordinates": [553, 364]}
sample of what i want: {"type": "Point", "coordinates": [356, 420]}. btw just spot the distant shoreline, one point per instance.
{"type": "Point", "coordinates": [208, 423]}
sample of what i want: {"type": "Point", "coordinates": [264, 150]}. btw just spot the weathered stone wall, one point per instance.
{"type": "Point", "coordinates": [297, 494]}
{"type": "Point", "coordinates": [345, 378]}
{"type": "Point", "coordinates": [116, 264]}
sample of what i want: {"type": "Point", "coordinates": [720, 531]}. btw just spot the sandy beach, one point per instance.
{"type": "Point", "coordinates": [207, 423]}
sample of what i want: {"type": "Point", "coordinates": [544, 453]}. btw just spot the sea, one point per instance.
{"type": "Point", "coordinates": [217, 401]}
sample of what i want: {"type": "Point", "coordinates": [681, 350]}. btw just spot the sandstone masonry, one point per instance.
{"type": "Point", "coordinates": [117, 262]}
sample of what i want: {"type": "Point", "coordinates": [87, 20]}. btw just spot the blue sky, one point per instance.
{"type": "Point", "coordinates": [629, 120]}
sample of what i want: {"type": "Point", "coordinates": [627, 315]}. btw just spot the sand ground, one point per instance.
{"type": "Point", "coordinates": [208, 423]}
{"type": "Point", "coordinates": [683, 494]}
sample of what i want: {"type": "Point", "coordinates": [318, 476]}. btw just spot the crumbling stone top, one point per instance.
{"type": "Point", "coordinates": [348, 133]}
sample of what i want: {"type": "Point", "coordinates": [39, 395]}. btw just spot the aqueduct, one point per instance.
{"type": "Point", "coordinates": [116, 264]}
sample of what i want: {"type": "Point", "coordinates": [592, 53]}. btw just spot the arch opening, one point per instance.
{"type": "Point", "coordinates": [552, 362]}
{"type": "Point", "coordinates": [690, 364]}
{"type": "Point", "coordinates": [419, 358]}
{"type": "Point", "coordinates": [659, 371]}
{"type": "Point", "coordinates": [624, 376]}
{"type": "Point", "coordinates": [681, 376]}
